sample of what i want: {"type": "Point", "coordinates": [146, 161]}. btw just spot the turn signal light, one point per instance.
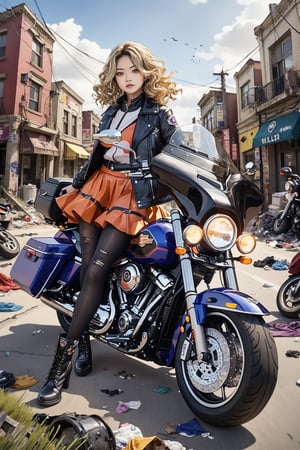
{"type": "Point", "coordinates": [245, 260]}
{"type": "Point", "coordinates": [180, 251]}
{"type": "Point", "coordinates": [231, 305]}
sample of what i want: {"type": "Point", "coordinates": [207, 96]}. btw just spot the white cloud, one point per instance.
{"type": "Point", "coordinates": [80, 72]}
{"type": "Point", "coordinates": [198, 2]}
{"type": "Point", "coordinates": [236, 42]}
{"type": "Point", "coordinates": [231, 47]}
{"type": "Point", "coordinates": [185, 107]}
{"type": "Point", "coordinates": [77, 61]}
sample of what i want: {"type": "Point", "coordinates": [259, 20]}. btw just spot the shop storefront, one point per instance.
{"type": "Point", "coordinates": [278, 140]}
{"type": "Point", "coordinates": [279, 129]}
{"type": "Point", "coordinates": [37, 153]}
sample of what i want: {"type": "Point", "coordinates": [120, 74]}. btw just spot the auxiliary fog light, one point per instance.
{"type": "Point", "coordinates": [192, 235]}
{"type": "Point", "coordinates": [246, 243]}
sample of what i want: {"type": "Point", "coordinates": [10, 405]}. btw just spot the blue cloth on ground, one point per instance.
{"type": "Point", "coordinates": [280, 265]}
{"type": "Point", "coordinates": [9, 306]}
{"type": "Point", "coordinates": [191, 428]}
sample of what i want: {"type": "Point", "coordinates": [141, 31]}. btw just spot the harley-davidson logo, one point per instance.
{"type": "Point", "coordinates": [142, 240]}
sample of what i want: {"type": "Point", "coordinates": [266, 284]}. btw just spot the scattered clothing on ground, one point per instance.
{"type": "Point", "coordinates": [9, 306]}
{"type": "Point", "coordinates": [285, 329]}
{"type": "Point", "coordinates": [280, 265]}
{"type": "Point", "coordinates": [292, 353]}
{"type": "Point", "coordinates": [7, 283]}
{"type": "Point", "coordinates": [24, 381]}
{"type": "Point", "coordinates": [7, 379]}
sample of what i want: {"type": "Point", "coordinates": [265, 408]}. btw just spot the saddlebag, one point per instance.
{"type": "Point", "coordinates": [39, 263]}
{"type": "Point", "coordinates": [45, 200]}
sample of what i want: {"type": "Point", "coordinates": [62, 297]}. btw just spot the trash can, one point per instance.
{"type": "Point", "coordinates": [29, 192]}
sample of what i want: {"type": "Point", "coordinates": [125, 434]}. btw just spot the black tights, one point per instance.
{"type": "Point", "coordinates": [100, 249]}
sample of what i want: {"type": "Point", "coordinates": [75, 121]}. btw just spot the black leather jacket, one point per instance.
{"type": "Point", "coordinates": [154, 128]}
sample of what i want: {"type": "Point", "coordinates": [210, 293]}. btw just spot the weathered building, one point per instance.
{"type": "Point", "coordinates": [67, 119]}
{"type": "Point", "coordinates": [268, 96]}
{"type": "Point", "coordinates": [27, 147]}
{"type": "Point", "coordinates": [219, 115]}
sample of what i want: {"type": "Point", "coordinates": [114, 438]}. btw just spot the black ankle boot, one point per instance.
{"type": "Point", "coordinates": [83, 363]}
{"type": "Point", "coordinates": [59, 374]}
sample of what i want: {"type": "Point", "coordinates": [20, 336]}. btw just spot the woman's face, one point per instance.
{"type": "Point", "coordinates": [128, 78]}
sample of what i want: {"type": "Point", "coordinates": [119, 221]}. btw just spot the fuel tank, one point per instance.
{"type": "Point", "coordinates": [154, 244]}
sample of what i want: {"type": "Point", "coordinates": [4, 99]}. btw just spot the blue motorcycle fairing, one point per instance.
{"type": "Point", "coordinates": [229, 300]}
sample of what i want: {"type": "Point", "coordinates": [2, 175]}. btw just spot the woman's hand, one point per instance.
{"type": "Point", "coordinates": [67, 189]}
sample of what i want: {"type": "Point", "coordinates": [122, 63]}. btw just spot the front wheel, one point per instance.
{"type": "Point", "coordinates": [280, 225]}
{"type": "Point", "coordinates": [9, 246]}
{"type": "Point", "coordinates": [288, 297]}
{"type": "Point", "coordinates": [237, 383]}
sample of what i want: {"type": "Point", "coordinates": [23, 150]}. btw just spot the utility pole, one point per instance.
{"type": "Point", "coordinates": [222, 74]}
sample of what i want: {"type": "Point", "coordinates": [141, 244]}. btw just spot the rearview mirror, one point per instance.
{"type": "Point", "coordinates": [108, 136]}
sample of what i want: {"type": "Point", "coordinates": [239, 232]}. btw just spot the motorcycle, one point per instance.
{"type": "Point", "coordinates": [9, 246]}
{"type": "Point", "coordinates": [216, 338]}
{"type": "Point", "coordinates": [288, 219]}
{"type": "Point", "coordinates": [288, 296]}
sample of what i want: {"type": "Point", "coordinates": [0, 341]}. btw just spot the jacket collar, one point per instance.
{"type": "Point", "coordinates": [148, 106]}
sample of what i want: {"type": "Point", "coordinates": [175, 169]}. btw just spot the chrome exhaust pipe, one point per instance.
{"type": "Point", "coordinates": [64, 308]}
{"type": "Point", "coordinates": [100, 327]}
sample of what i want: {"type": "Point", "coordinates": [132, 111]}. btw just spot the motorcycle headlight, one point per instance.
{"type": "Point", "coordinates": [220, 232]}
{"type": "Point", "coordinates": [192, 235]}
{"type": "Point", "coordinates": [246, 243]}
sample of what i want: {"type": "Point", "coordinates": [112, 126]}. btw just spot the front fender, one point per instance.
{"type": "Point", "coordinates": [218, 298]}
{"type": "Point", "coordinates": [226, 299]}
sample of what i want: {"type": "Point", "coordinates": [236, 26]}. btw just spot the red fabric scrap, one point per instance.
{"type": "Point", "coordinates": [7, 283]}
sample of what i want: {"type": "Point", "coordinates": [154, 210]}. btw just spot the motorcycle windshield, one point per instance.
{"type": "Point", "coordinates": [202, 177]}
{"type": "Point", "coordinates": [199, 147]}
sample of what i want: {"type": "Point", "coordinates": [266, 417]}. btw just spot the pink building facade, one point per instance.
{"type": "Point", "coordinates": [27, 136]}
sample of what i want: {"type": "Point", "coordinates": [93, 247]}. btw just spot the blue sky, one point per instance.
{"type": "Point", "coordinates": [194, 38]}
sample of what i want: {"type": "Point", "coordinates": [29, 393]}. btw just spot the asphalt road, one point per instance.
{"type": "Point", "coordinates": [28, 340]}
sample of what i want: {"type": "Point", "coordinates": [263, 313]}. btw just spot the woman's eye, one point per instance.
{"type": "Point", "coordinates": [119, 74]}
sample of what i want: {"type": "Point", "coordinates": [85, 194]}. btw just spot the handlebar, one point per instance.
{"type": "Point", "coordinates": [140, 166]}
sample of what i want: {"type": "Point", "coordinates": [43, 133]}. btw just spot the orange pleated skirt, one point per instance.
{"type": "Point", "coordinates": [107, 198]}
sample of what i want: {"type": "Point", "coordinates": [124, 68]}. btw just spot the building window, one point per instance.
{"type": "Point", "coordinates": [66, 122]}
{"type": "Point", "coordinates": [74, 126]}
{"type": "Point", "coordinates": [35, 95]}
{"type": "Point", "coordinates": [282, 61]}
{"type": "Point", "coordinates": [3, 41]}
{"type": "Point", "coordinates": [208, 120]}
{"type": "Point", "coordinates": [36, 54]}
{"type": "Point", "coordinates": [245, 95]}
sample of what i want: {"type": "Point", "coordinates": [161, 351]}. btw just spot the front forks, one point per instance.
{"type": "Point", "coordinates": [189, 289]}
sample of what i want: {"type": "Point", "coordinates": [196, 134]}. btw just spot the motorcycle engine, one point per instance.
{"type": "Point", "coordinates": [132, 278]}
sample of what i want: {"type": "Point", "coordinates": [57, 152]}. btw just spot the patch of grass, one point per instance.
{"type": "Point", "coordinates": [29, 435]}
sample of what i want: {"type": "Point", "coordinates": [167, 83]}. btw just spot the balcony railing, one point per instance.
{"type": "Point", "coordinates": [288, 83]}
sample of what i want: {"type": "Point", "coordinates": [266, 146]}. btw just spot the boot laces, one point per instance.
{"type": "Point", "coordinates": [61, 356]}
{"type": "Point", "coordinates": [83, 345]}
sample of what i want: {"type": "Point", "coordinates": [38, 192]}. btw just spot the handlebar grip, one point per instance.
{"type": "Point", "coordinates": [135, 165]}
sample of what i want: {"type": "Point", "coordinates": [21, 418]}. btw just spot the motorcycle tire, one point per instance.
{"type": "Point", "coordinates": [281, 226]}
{"type": "Point", "coordinates": [9, 246]}
{"type": "Point", "coordinates": [288, 297]}
{"type": "Point", "coordinates": [64, 320]}
{"type": "Point", "coordinates": [241, 377]}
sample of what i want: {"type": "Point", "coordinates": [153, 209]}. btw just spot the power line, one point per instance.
{"type": "Point", "coordinates": [242, 60]}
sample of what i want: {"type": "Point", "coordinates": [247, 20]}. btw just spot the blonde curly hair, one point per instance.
{"type": "Point", "coordinates": [158, 85]}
